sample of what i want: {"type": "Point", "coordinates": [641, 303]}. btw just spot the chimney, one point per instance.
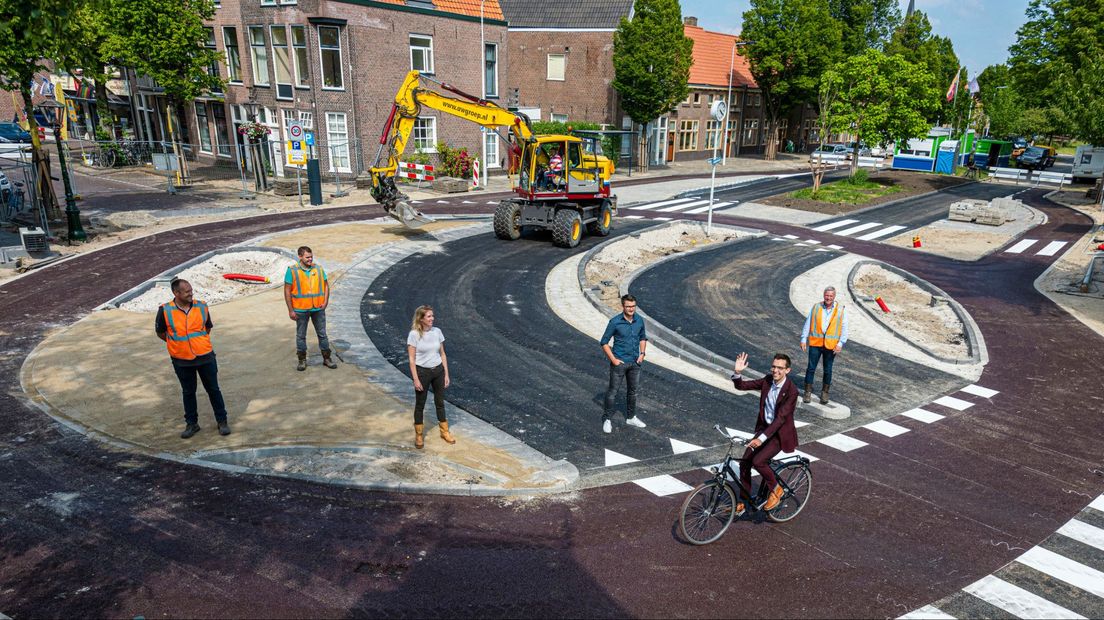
{"type": "Point", "coordinates": [690, 21]}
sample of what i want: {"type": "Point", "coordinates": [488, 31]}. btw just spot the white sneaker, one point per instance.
{"type": "Point", "coordinates": [635, 421]}
{"type": "Point", "coordinates": [607, 426]}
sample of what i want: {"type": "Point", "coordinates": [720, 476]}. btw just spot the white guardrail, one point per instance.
{"type": "Point", "coordinates": [842, 159]}
{"type": "Point", "coordinates": [1019, 174]}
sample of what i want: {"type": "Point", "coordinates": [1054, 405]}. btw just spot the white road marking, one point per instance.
{"type": "Point", "coordinates": [828, 227]}
{"type": "Point", "coordinates": [799, 423]}
{"type": "Point", "coordinates": [782, 455]}
{"type": "Point", "coordinates": [1015, 600]}
{"type": "Point", "coordinates": [663, 485]}
{"type": "Point", "coordinates": [977, 390]}
{"type": "Point", "coordinates": [716, 205]}
{"type": "Point", "coordinates": [616, 458]}
{"type": "Point", "coordinates": [632, 217]}
{"type": "Point", "coordinates": [467, 202]}
{"type": "Point", "coordinates": [681, 447]}
{"type": "Point", "coordinates": [442, 202]}
{"type": "Point", "coordinates": [1098, 503]}
{"type": "Point", "coordinates": [889, 429]}
{"type": "Point", "coordinates": [687, 205]}
{"type": "Point", "coordinates": [923, 415]}
{"type": "Point", "coordinates": [881, 233]}
{"type": "Point", "coordinates": [662, 219]}
{"type": "Point", "coordinates": [859, 228]}
{"type": "Point", "coordinates": [656, 205]}
{"type": "Point", "coordinates": [1083, 532]}
{"type": "Point", "coordinates": [778, 239]}
{"type": "Point", "coordinates": [836, 247]}
{"type": "Point", "coordinates": [491, 202]}
{"type": "Point", "coordinates": [842, 442]}
{"type": "Point", "coordinates": [823, 250]}
{"type": "Point", "coordinates": [1052, 248]}
{"type": "Point", "coordinates": [1060, 567]}
{"type": "Point", "coordinates": [790, 236]}
{"type": "Point", "coordinates": [812, 242]}
{"type": "Point", "coordinates": [1021, 246]}
{"type": "Point", "coordinates": [953, 403]}
{"type": "Point", "coordinates": [927, 612]}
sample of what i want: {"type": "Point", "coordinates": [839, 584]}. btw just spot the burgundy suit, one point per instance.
{"type": "Point", "coordinates": [781, 433]}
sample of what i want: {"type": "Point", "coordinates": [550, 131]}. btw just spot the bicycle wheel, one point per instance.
{"type": "Point", "coordinates": [707, 512]}
{"type": "Point", "coordinates": [797, 479]}
{"type": "Point", "coordinates": [107, 158]}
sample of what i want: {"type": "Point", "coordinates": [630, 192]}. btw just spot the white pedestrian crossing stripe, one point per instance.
{"type": "Point", "coordinates": [1064, 569]}
{"type": "Point", "coordinates": [842, 442]}
{"type": "Point", "coordinates": [1015, 600]}
{"type": "Point", "coordinates": [663, 485]}
{"type": "Point", "coordinates": [827, 227]}
{"type": "Point", "coordinates": [854, 229]}
{"type": "Point", "coordinates": [790, 236]}
{"type": "Point", "coordinates": [977, 390]}
{"type": "Point", "coordinates": [1021, 246]}
{"type": "Point", "coordinates": [881, 233]}
{"type": "Point", "coordinates": [927, 612]}
{"type": "Point", "coordinates": [953, 403]}
{"type": "Point", "coordinates": [836, 247]}
{"type": "Point", "coordinates": [632, 217]}
{"type": "Point", "coordinates": [923, 415]}
{"type": "Point", "coordinates": [1052, 248]}
{"type": "Point", "coordinates": [656, 205]}
{"type": "Point", "coordinates": [889, 429]}
{"type": "Point", "coordinates": [1083, 532]}
{"type": "Point", "coordinates": [716, 206]}
{"type": "Point", "coordinates": [688, 205]}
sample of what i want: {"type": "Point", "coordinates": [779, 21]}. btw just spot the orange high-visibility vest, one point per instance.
{"type": "Point", "coordinates": [818, 336]}
{"type": "Point", "coordinates": [308, 288]}
{"type": "Point", "coordinates": [187, 336]}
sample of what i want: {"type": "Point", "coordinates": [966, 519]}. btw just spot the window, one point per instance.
{"type": "Point", "coordinates": [688, 135]}
{"type": "Point", "coordinates": [202, 124]}
{"type": "Point", "coordinates": [329, 46]}
{"type": "Point", "coordinates": [490, 139]}
{"type": "Point", "coordinates": [299, 44]}
{"type": "Point", "coordinates": [306, 119]}
{"type": "Point", "coordinates": [758, 100]}
{"type": "Point", "coordinates": [490, 70]}
{"type": "Point", "coordinates": [697, 98]}
{"type": "Point", "coordinates": [425, 134]}
{"type": "Point", "coordinates": [268, 2]}
{"type": "Point", "coordinates": [281, 60]}
{"type": "Point", "coordinates": [557, 65]}
{"type": "Point", "coordinates": [259, 54]}
{"type": "Point", "coordinates": [233, 53]}
{"type": "Point", "coordinates": [750, 127]}
{"type": "Point", "coordinates": [712, 134]}
{"type": "Point", "coordinates": [421, 53]}
{"type": "Point", "coordinates": [288, 1]}
{"type": "Point", "coordinates": [735, 101]}
{"type": "Point", "coordinates": [558, 118]}
{"type": "Point", "coordinates": [337, 138]}
{"type": "Point", "coordinates": [213, 68]}
{"type": "Point", "coordinates": [222, 130]}
{"type": "Point", "coordinates": [289, 118]}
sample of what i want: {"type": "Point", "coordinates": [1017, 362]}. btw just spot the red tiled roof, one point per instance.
{"type": "Point", "coordinates": [712, 58]}
{"type": "Point", "coordinates": [491, 10]}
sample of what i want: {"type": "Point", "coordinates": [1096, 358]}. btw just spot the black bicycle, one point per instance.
{"type": "Point", "coordinates": [711, 507]}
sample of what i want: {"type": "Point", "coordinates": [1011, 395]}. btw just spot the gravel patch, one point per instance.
{"type": "Point", "coordinates": [209, 285]}
{"type": "Point", "coordinates": [914, 312]}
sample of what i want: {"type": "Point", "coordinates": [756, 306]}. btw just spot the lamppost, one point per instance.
{"type": "Point", "coordinates": [52, 110]}
{"type": "Point", "coordinates": [483, 73]}
{"type": "Point", "coordinates": [728, 97]}
{"type": "Point", "coordinates": [254, 144]}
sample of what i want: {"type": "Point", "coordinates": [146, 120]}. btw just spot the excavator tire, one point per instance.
{"type": "Point", "coordinates": [507, 220]}
{"type": "Point", "coordinates": [601, 227]}
{"type": "Point", "coordinates": [567, 228]}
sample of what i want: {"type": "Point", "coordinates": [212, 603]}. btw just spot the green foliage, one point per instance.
{"type": "Point", "coordinates": [846, 191]}
{"type": "Point", "coordinates": [1084, 98]}
{"type": "Point", "coordinates": [860, 177]}
{"type": "Point", "coordinates": [878, 97]}
{"type": "Point", "coordinates": [790, 44]}
{"type": "Point", "coordinates": [651, 60]}
{"type": "Point", "coordinates": [914, 41]}
{"type": "Point", "coordinates": [865, 24]}
{"type": "Point", "coordinates": [611, 145]}
{"type": "Point", "coordinates": [455, 162]}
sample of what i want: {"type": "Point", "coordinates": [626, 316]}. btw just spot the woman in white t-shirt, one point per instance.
{"type": "Point", "coordinates": [425, 346]}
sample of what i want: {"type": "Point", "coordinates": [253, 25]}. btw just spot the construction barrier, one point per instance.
{"type": "Point", "coordinates": [1009, 174]}
{"type": "Point", "coordinates": [419, 172]}
{"type": "Point", "coordinates": [1054, 178]}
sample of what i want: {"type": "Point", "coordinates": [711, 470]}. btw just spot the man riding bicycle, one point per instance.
{"type": "Point", "coordinates": [774, 430]}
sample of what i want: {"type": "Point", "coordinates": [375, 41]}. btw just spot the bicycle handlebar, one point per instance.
{"type": "Point", "coordinates": [732, 438]}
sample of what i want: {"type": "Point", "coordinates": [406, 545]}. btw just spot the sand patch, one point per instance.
{"type": "Point", "coordinates": [914, 313]}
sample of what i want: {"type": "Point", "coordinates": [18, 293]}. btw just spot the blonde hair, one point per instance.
{"type": "Point", "coordinates": [419, 314]}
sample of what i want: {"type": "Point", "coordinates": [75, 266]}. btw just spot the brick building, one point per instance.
{"type": "Point", "coordinates": [334, 66]}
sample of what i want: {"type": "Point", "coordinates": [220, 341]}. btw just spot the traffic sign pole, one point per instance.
{"type": "Point", "coordinates": [719, 111]}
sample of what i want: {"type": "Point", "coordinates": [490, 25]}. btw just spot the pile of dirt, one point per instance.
{"type": "Point", "coordinates": [209, 285]}
{"type": "Point", "coordinates": [609, 267]}
{"type": "Point", "coordinates": [926, 320]}
{"type": "Point", "coordinates": [910, 184]}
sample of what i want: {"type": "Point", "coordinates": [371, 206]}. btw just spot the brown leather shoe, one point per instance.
{"type": "Point", "coordinates": [419, 436]}
{"type": "Point", "coordinates": [824, 394]}
{"type": "Point", "coordinates": [774, 499]}
{"type": "Point", "coordinates": [326, 361]}
{"type": "Point", "coordinates": [808, 397]}
{"type": "Point", "coordinates": [302, 365]}
{"type": "Point", "coordinates": [740, 509]}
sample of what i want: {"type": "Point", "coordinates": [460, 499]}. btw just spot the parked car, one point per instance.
{"type": "Point", "coordinates": [1019, 145]}
{"type": "Point", "coordinates": [1088, 163]}
{"type": "Point", "coordinates": [1037, 158]}
{"type": "Point", "coordinates": [12, 132]}
{"type": "Point", "coordinates": [832, 152]}
{"type": "Point", "coordinates": [864, 150]}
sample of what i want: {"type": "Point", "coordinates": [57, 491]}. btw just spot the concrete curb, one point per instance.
{"type": "Point", "coordinates": [973, 335]}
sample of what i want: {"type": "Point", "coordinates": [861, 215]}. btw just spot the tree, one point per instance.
{"type": "Point", "coordinates": [914, 41]}
{"type": "Point", "coordinates": [1084, 99]}
{"type": "Point", "coordinates": [1057, 38]}
{"type": "Point", "coordinates": [790, 44]}
{"type": "Point", "coordinates": [651, 63]}
{"type": "Point", "coordinates": [865, 24]}
{"type": "Point", "coordinates": [880, 98]}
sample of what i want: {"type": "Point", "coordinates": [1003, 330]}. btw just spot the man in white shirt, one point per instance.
{"type": "Point", "coordinates": [824, 334]}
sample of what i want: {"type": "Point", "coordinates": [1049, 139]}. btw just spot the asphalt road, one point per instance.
{"type": "Point", "coordinates": [737, 298]}
{"type": "Point", "coordinates": [924, 209]}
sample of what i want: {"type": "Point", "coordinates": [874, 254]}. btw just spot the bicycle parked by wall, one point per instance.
{"type": "Point", "coordinates": [711, 507]}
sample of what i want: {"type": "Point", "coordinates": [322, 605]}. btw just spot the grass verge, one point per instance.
{"type": "Point", "coordinates": [848, 191]}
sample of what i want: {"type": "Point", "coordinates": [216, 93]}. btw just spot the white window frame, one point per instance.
{"type": "Point", "coordinates": [306, 119]}
{"type": "Point", "coordinates": [330, 142]}
{"type": "Point", "coordinates": [490, 146]}
{"type": "Point", "coordinates": [557, 118]}
{"type": "Point", "coordinates": [268, 2]}
{"type": "Point", "coordinates": [429, 69]}
{"type": "Point", "coordinates": [488, 92]}
{"type": "Point", "coordinates": [302, 72]}
{"type": "Point", "coordinates": [751, 127]}
{"type": "Point", "coordinates": [289, 1]}
{"type": "Point", "coordinates": [427, 122]}
{"type": "Point", "coordinates": [203, 126]}
{"type": "Point", "coordinates": [690, 129]}
{"type": "Point", "coordinates": [286, 47]}
{"type": "Point", "coordinates": [253, 50]}
{"type": "Point", "coordinates": [563, 68]}
{"type": "Point", "coordinates": [234, 77]}
{"type": "Point", "coordinates": [340, 58]}
{"type": "Point", "coordinates": [713, 134]}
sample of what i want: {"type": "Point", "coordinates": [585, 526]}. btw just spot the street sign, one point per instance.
{"type": "Point", "coordinates": [308, 137]}
{"type": "Point", "coordinates": [296, 153]}
{"type": "Point", "coordinates": [713, 161]}
{"type": "Point", "coordinates": [295, 130]}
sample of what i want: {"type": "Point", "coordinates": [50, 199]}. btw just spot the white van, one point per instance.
{"type": "Point", "coordinates": [1088, 162]}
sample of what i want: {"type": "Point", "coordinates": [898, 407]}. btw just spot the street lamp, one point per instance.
{"type": "Point", "coordinates": [483, 73]}
{"type": "Point", "coordinates": [728, 98]}
{"type": "Point", "coordinates": [52, 110]}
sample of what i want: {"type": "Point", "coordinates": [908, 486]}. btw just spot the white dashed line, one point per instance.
{"type": "Point", "coordinates": [889, 429]}
{"type": "Point", "coordinates": [827, 227]}
{"type": "Point", "coordinates": [842, 442]}
{"type": "Point", "coordinates": [1021, 246]}
{"type": "Point", "coordinates": [859, 228]}
{"type": "Point", "coordinates": [977, 390]}
{"type": "Point", "coordinates": [953, 403]}
{"type": "Point", "coordinates": [923, 415]}
{"type": "Point", "coordinates": [1015, 600]}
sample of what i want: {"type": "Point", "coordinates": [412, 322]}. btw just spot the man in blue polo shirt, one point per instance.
{"type": "Point", "coordinates": [625, 357]}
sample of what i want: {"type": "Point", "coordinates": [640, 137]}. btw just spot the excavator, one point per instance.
{"type": "Point", "coordinates": [562, 181]}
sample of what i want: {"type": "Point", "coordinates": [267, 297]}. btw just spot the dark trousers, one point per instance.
{"type": "Point", "coordinates": [319, 320]}
{"type": "Point", "coordinates": [629, 372]}
{"type": "Point", "coordinates": [815, 353]}
{"type": "Point", "coordinates": [760, 460]}
{"type": "Point", "coordinates": [208, 374]}
{"type": "Point", "coordinates": [435, 378]}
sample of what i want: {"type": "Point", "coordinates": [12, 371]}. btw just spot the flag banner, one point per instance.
{"type": "Point", "coordinates": [46, 88]}
{"type": "Point", "coordinates": [973, 86]}
{"type": "Point", "coordinates": [954, 86]}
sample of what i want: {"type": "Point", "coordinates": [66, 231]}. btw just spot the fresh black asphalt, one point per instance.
{"type": "Point", "coordinates": [517, 365]}
{"type": "Point", "coordinates": [924, 209]}
{"type": "Point", "coordinates": [758, 190]}
{"type": "Point", "coordinates": [736, 298]}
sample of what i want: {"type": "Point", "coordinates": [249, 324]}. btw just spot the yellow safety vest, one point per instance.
{"type": "Point", "coordinates": [308, 288]}
{"type": "Point", "coordinates": [187, 337]}
{"type": "Point", "coordinates": [818, 336]}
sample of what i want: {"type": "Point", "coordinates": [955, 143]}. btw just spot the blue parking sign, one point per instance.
{"type": "Point", "coordinates": [308, 137]}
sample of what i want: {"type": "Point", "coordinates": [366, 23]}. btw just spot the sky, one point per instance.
{"type": "Point", "coordinates": [981, 30]}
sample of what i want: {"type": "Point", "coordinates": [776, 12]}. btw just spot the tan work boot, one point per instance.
{"type": "Point", "coordinates": [326, 361]}
{"type": "Point", "coordinates": [445, 434]}
{"type": "Point", "coordinates": [808, 397]}
{"type": "Point", "coordinates": [419, 436]}
{"type": "Point", "coordinates": [302, 360]}
{"type": "Point", "coordinates": [824, 394]}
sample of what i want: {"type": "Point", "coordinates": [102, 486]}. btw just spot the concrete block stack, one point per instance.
{"type": "Point", "coordinates": [965, 210]}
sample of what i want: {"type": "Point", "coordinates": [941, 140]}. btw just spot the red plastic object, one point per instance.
{"type": "Point", "coordinates": [916, 241]}
{"type": "Point", "coordinates": [1100, 247]}
{"type": "Point", "coordinates": [882, 304]}
{"type": "Point", "coordinates": [245, 277]}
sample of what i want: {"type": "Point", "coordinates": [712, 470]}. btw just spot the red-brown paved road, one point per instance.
{"type": "Point", "coordinates": [91, 531]}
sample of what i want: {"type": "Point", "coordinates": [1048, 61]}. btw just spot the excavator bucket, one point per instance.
{"type": "Point", "coordinates": [408, 216]}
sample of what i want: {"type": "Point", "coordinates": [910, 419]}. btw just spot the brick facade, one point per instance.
{"type": "Point", "coordinates": [584, 94]}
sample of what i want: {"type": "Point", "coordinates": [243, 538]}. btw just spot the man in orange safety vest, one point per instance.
{"type": "Point", "coordinates": [307, 293]}
{"type": "Point", "coordinates": [824, 335]}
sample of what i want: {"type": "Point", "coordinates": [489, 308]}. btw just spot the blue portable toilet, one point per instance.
{"type": "Point", "coordinates": [945, 157]}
